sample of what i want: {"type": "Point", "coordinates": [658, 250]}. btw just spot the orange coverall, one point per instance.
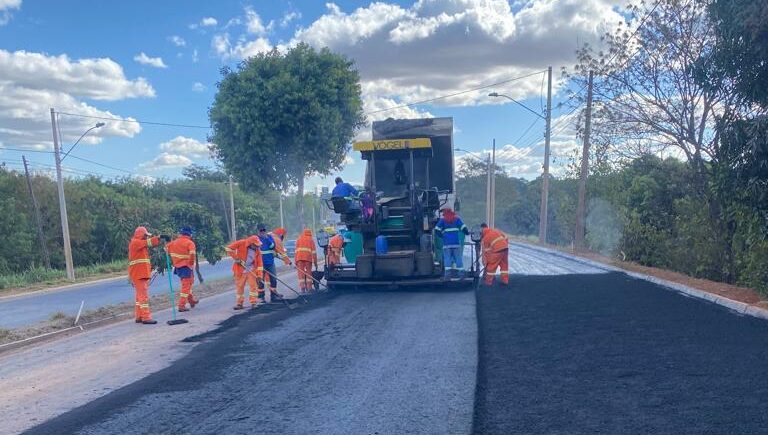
{"type": "Point", "coordinates": [306, 255]}
{"type": "Point", "coordinates": [182, 252]}
{"type": "Point", "coordinates": [335, 245]}
{"type": "Point", "coordinates": [140, 270]}
{"type": "Point", "coordinates": [495, 255]}
{"type": "Point", "coordinates": [251, 273]}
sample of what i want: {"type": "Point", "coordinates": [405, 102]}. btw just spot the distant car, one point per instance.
{"type": "Point", "coordinates": [290, 248]}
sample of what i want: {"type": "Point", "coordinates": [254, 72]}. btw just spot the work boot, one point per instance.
{"type": "Point", "coordinates": [276, 296]}
{"type": "Point", "coordinates": [238, 307]}
{"type": "Point", "coordinates": [149, 322]}
{"type": "Point", "coordinates": [183, 309]}
{"type": "Point", "coordinates": [138, 320]}
{"type": "Point", "coordinates": [193, 302]}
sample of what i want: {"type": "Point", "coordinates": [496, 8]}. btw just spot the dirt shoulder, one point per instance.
{"type": "Point", "coordinates": [740, 294]}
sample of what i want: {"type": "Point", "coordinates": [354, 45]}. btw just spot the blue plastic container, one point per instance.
{"type": "Point", "coordinates": [381, 245]}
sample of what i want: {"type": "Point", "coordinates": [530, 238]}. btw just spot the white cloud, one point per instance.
{"type": "Point", "coordinates": [253, 23]}
{"type": "Point", "coordinates": [195, 57]}
{"type": "Point", "coordinates": [5, 10]}
{"type": "Point", "coordinates": [166, 161]}
{"type": "Point", "coordinates": [198, 87]}
{"type": "Point", "coordinates": [32, 83]}
{"type": "Point", "coordinates": [208, 22]}
{"type": "Point", "coordinates": [156, 62]}
{"type": "Point", "coordinates": [186, 146]}
{"type": "Point", "coordinates": [177, 40]}
{"type": "Point", "coordinates": [242, 49]}
{"type": "Point", "coordinates": [290, 17]}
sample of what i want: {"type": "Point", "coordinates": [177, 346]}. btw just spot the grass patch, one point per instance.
{"type": "Point", "coordinates": [41, 275]}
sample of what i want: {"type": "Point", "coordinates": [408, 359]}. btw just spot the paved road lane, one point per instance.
{"type": "Point", "coordinates": [24, 310]}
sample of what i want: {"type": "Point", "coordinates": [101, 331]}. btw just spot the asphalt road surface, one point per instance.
{"type": "Point", "coordinates": [22, 310]}
{"type": "Point", "coordinates": [567, 348]}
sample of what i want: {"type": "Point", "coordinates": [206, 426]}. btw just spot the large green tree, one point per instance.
{"type": "Point", "coordinates": [283, 116]}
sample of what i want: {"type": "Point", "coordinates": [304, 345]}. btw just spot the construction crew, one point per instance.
{"type": "Point", "coordinates": [495, 254]}
{"type": "Point", "coordinates": [268, 253]}
{"type": "Point", "coordinates": [183, 256]}
{"type": "Point", "coordinates": [140, 271]}
{"type": "Point", "coordinates": [247, 269]}
{"type": "Point", "coordinates": [335, 246]}
{"type": "Point", "coordinates": [450, 227]}
{"type": "Point", "coordinates": [306, 255]}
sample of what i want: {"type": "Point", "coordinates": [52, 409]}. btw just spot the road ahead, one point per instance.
{"type": "Point", "coordinates": [25, 310]}
{"type": "Point", "coordinates": [567, 348]}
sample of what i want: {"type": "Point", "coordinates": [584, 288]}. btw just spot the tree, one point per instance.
{"type": "Point", "coordinates": [284, 116]}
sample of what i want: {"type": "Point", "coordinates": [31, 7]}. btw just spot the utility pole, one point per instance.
{"type": "Point", "coordinates": [314, 223]}
{"type": "Point", "coordinates": [492, 219]}
{"type": "Point", "coordinates": [545, 176]}
{"type": "Point", "coordinates": [232, 208]}
{"type": "Point", "coordinates": [581, 208]}
{"type": "Point", "coordinates": [488, 193]}
{"type": "Point", "coordinates": [62, 201]}
{"type": "Point", "coordinates": [282, 221]}
{"type": "Point", "coordinates": [40, 235]}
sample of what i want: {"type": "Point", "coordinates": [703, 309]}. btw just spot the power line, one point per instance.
{"type": "Point", "coordinates": [442, 97]}
{"type": "Point", "coordinates": [22, 150]}
{"type": "Point", "coordinates": [101, 164]}
{"type": "Point", "coordinates": [136, 121]}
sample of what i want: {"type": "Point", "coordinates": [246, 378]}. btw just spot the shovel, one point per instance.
{"type": "Point", "coordinates": [287, 304]}
{"type": "Point", "coordinates": [289, 287]}
{"type": "Point", "coordinates": [317, 281]}
{"type": "Point", "coordinates": [172, 294]}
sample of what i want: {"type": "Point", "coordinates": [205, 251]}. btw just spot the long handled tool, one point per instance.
{"type": "Point", "coordinates": [287, 304]}
{"type": "Point", "coordinates": [289, 287]}
{"type": "Point", "coordinates": [313, 279]}
{"type": "Point", "coordinates": [174, 320]}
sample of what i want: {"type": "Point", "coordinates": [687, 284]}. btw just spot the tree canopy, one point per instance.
{"type": "Point", "coordinates": [284, 116]}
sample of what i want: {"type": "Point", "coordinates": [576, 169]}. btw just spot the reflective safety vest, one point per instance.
{"type": "Point", "coordinates": [305, 248]}
{"type": "Point", "coordinates": [494, 240]}
{"type": "Point", "coordinates": [139, 264]}
{"type": "Point", "coordinates": [182, 252]}
{"type": "Point", "coordinates": [450, 231]}
{"type": "Point", "coordinates": [267, 250]}
{"type": "Point", "coordinates": [239, 250]}
{"type": "Point", "coordinates": [336, 244]}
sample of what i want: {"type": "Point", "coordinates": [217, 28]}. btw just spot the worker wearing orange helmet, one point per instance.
{"type": "Point", "coordinates": [140, 271]}
{"type": "Point", "coordinates": [306, 255]}
{"type": "Point", "coordinates": [183, 256]}
{"type": "Point", "coordinates": [248, 268]}
{"type": "Point", "coordinates": [278, 235]}
{"type": "Point", "coordinates": [495, 254]}
{"type": "Point", "coordinates": [335, 246]}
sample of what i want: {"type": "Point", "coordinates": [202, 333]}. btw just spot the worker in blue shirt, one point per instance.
{"type": "Point", "coordinates": [268, 253]}
{"type": "Point", "coordinates": [449, 228]}
{"type": "Point", "coordinates": [345, 190]}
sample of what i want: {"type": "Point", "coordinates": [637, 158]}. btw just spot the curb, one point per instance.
{"type": "Point", "coordinates": [736, 306]}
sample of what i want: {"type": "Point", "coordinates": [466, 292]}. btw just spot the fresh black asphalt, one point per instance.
{"type": "Point", "coordinates": [577, 354]}
{"type": "Point", "coordinates": [558, 354]}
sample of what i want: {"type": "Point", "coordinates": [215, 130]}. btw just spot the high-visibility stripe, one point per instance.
{"type": "Point", "coordinates": [144, 305]}
{"type": "Point", "coordinates": [505, 272]}
{"type": "Point", "coordinates": [304, 250]}
{"type": "Point", "coordinates": [498, 239]}
{"type": "Point", "coordinates": [180, 256]}
{"type": "Point", "coordinates": [184, 295]}
{"type": "Point", "coordinates": [139, 261]}
{"type": "Point", "coordinates": [452, 229]}
{"type": "Point", "coordinates": [267, 252]}
{"type": "Point", "coordinates": [192, 252]}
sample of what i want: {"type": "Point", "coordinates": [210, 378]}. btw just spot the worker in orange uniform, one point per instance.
{"type": "Point", "coordinates": [335, 246]}
{"type": "Point", "coordinates": [278, 235]}
{"type": "Point", "coordinates": [140, 271]}
{"type": "Point", "coordinates": [183, 256]}
{"type": "Point", "coordinates": [248, 268]}
{"type": "Point", "coordinates": [306, 255]}
{"type": "Point", "coordinates": [495, 254]}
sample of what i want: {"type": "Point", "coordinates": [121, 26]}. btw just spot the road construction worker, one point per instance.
{"type": "Point", "coordinates": [278, 235]}
{"type": "Point", "coordinates": [140, 271]}
{"type": "Point", "coordinates": [306, 255]}
{"type": "Point", "coordinates": [268, 254]}
{"type": "Point", "coordinates": [450, 227]}
{"type": "Point", "coordinates": [335, 247]}
{"type": "Point", "coordinates": [495, 254]}
{"type": "Point", "coordinates": [183, 256]}
{"type": "Point", "coordinates": [247, 269]}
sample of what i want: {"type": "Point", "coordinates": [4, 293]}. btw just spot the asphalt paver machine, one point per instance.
{"type": "Point", "coordinates": [409, 178]}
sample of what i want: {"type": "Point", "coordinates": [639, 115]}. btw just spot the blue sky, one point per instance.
{"type": "Point", "coordinates": [159, 61]}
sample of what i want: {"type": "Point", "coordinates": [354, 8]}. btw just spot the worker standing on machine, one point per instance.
{"type": "Point", "coordinates": [247, 269]}
{"type": "Point", "coordinates": [495, 254]}
{"type": "Point", "coordinates": [335, 246]}
{"type": "Point", "coordinates": [140, 271]}
{"type": "Point", "coordinates": [306, 255]}
{"type": "Point", "coordinates": [268, 258]}
{"type": "Point", "coordinates": [449, 227]}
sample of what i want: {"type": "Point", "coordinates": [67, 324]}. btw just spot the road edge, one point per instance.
{"type": "Point", "coordinates": [736, 306]}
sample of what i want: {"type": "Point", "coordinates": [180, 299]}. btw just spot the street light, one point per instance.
{"type": "Point", "coordinates": [496, 94]}
{"type": "Point", "coordinates": [98, 125]}
{"type": "Point", "coordinates": [489, 194]}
